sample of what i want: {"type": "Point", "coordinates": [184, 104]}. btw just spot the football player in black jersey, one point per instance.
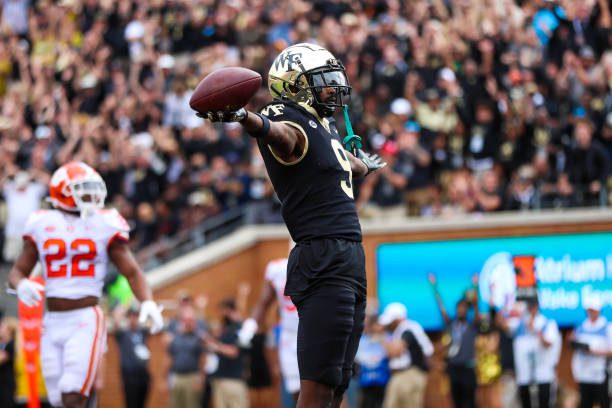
{"type": "Point", "coordinates": [312, 175]}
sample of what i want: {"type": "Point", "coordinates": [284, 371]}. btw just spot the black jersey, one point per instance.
{"type": "Point", "coordinates": [316, 191]}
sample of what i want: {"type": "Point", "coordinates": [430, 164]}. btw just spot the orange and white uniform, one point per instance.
{"type": "Point", "coordinates": [73, 251]}
{"type": "Point", "coordinates": [276, 274]}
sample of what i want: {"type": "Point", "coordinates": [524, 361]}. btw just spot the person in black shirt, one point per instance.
{"type": "Point", "coordinates": [586, 169]}
{"type": "Point", "coordinates": [312, 174]}
{"type": "Point", "coordinates": [186, 371]}
{"type": "Point", "coordinates": [134, 354]}
{"type": "Point", "coordinates": [7, 360]}
{"type": "Point", "coordinates": [460, 362]}
{"type": "Point", "coordinates": [229, 387]}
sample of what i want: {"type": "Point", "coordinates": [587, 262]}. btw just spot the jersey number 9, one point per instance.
{"type": "Point", "coordinates": [346, 185]}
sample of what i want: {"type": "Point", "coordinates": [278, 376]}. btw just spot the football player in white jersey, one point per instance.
{"type": "Point", "coordinates": [274, 287]}
{"type": "Point", "coordinates": [74, 243]}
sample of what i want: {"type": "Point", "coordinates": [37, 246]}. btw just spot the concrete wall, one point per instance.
{"type": "Point", "coordinates": [219, 268]}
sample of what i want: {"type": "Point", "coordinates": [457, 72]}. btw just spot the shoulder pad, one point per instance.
{"type": "Point", "coordinates": [115, 220]}
{"type": "Point", "coordinates": [36, 217]}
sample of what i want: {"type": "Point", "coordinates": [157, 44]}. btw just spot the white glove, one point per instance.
{"type": "Point", "coordinates": [247, 331]}
{"type": "Point", "coordinates": [149, 309]}
{"type": "Point", "coordinates": [29, 292]}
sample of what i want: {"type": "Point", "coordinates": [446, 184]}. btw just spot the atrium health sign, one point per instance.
{"type": "Point", "coordinates": [562, 269]}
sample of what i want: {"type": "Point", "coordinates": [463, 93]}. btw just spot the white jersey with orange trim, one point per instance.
{"type": "Point", "coordinates": [276, 274]}
{"type": "Point", "coordinates": [73, 251]}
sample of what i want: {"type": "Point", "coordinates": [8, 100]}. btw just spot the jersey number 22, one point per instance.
{"type": "Point", "coordinates": [81, 264]}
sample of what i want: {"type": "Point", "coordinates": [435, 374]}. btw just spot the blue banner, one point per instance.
{"type": "Point", "coordinates": [568, 268]}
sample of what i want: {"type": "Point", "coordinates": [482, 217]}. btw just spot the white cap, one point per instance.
{"type": "Point", "coordinates": [447, 74]}
{"type": "Point", "coordinates": [142, 139]}
{"type": "Point", "coordinates": [88, 81]}
{"type": "Point", "coordinates": [166, 61]}
{"type": "Point", "coordinates": [200, 197]}
{"type": "Point", "coordinates": [393, 311]}
{"type": "Point", "coordinates": [42, 132]}
{"type": "Point", "coordinates": [401, 106]}
{"type": "Point", "coordinates": [135, 30]}
{"type": "Point", "coordinates": [592, 303]}
{"type": "Point", "coordinates": [538, 99]}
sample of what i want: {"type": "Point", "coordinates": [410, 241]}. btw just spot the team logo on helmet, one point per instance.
{"type": "Point", "coordinates": [300, 72]}
{"type": "Point", "coordinates": [76, 187]}
{"type": "Point", "coordinates": [288, 60]}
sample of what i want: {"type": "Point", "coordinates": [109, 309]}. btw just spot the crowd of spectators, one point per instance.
{"type": "Point", "coordinates": [203, 366]}
{"type": "Point", "coordinates": [506, 358]}
{"type": "Point", "coordinates": [509, 357]}
{"type": "Point", "coordinates": [477, 106]}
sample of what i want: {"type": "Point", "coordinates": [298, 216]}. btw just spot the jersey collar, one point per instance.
{"type": "Point", "coordinates": [323, 121]}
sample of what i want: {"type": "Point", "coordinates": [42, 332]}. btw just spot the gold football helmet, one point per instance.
{"type": "Point", "coordinates": [301, 71]}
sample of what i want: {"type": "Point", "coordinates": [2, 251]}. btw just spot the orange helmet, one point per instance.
{"type": "Point", "coordinates": [76, 187]}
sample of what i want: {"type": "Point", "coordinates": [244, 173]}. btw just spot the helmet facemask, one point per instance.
{"type": "Point", "coordinates": [328, 77]}
{"type": "Point", "coordinates": [88, 194]}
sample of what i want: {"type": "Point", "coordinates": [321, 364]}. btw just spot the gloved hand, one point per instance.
{"type": "Point", "coordinates": [246, 332]}
{"type": "Point", "coordinates": [29, 292]}
{"type": "Point", "coordinates": [224, 116]}
{"type": "Point", "coordinates": [372, 161]}
{"type": "Point", "coordinates": [149, 309]}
